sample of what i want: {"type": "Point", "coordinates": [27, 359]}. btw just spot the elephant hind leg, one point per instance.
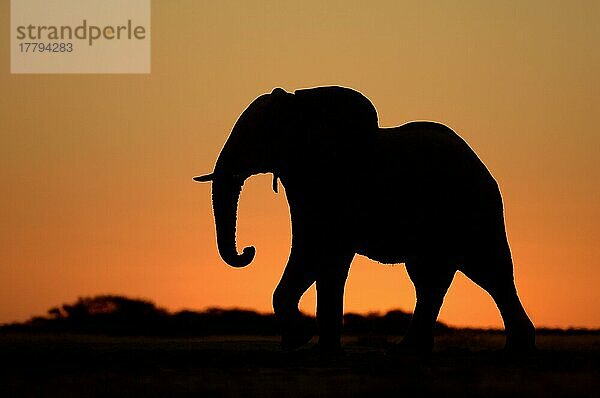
{"type": "Point", "coordinates": [432, 277]}
{"type": "Point", "coordinates": [493, 271]}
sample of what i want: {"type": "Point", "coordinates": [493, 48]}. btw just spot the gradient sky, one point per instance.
{"type": "Point", "coordinates": [96, 169]}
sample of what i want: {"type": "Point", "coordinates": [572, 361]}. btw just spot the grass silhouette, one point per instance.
{"type": "Point", "coordinates": [121, 347]}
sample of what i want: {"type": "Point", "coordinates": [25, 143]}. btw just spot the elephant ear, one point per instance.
{"type": "Point", "coordinates": [338, 124]}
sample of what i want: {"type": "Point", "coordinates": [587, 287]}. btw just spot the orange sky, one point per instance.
{"type": "Point", "coordinates": [96, 169]}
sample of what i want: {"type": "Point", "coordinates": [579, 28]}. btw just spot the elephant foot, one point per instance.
{"type": "Point", "coordinates": [329, 347]}
{"type": "Point", "coordinates": [520, 343]}
{"type": "Point", "coordinates": [290, 342]}
{"type": "Point", "coordinates": [325, 350]}
{"type": "Point", "coordinates": [412, 346]}
{"type": "Point", "coordinates": [295, 335]}
{"type": "Point", "coordinates": [520, 336]}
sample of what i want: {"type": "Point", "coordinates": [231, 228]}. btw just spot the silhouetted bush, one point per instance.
{"type": "Point", "coordinates": [106, 314]}
{"type": "Point", "coordinates": [394, 322]}
{"type": "Point", "coordinates": [118, 315]}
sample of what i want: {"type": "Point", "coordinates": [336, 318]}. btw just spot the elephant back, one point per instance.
{"type": "Point", "coordinates": [339, 108]}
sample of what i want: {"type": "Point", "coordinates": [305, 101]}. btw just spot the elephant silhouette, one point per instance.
{"type": "Point", "coordinates": [415, 194]}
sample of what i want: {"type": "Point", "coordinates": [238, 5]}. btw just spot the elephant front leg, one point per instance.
{"type": "Point", "coordinates": [296, 279]}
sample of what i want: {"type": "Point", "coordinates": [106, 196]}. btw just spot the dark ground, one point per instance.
{"type": "Point", "coordinates": [464, 363]}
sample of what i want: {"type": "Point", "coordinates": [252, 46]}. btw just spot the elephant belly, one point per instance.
{"type": "Point", "coordinates": [441, 221]}
{"type": "Point", "coordinates": [390, 238]}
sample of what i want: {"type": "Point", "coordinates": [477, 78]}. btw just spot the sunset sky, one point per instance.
{"type": "Point", "coordinates": [96, 169]}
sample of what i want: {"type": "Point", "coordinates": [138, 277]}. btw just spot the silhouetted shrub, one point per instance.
{"type": "Point", "coordinates": [118, 315]}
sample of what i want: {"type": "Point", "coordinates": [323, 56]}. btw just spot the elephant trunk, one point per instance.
{"type": "Point", "coordinates": [225, 195]}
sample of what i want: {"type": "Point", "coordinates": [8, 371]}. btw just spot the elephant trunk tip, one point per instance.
{"type": "Point", "coordinates": [243, 259]}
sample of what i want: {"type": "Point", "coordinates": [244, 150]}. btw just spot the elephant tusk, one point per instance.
{"type": "Point", "coordinates": [205, 178]}
{"type": "Point", "coordinates": [275, 185]}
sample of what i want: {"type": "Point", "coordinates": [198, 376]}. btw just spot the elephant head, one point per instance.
{"type": "Point", "coordinates": [275, 134]}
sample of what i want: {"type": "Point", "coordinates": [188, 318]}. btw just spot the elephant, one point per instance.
{"type": "Point", "coordinates": [415, 194]}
